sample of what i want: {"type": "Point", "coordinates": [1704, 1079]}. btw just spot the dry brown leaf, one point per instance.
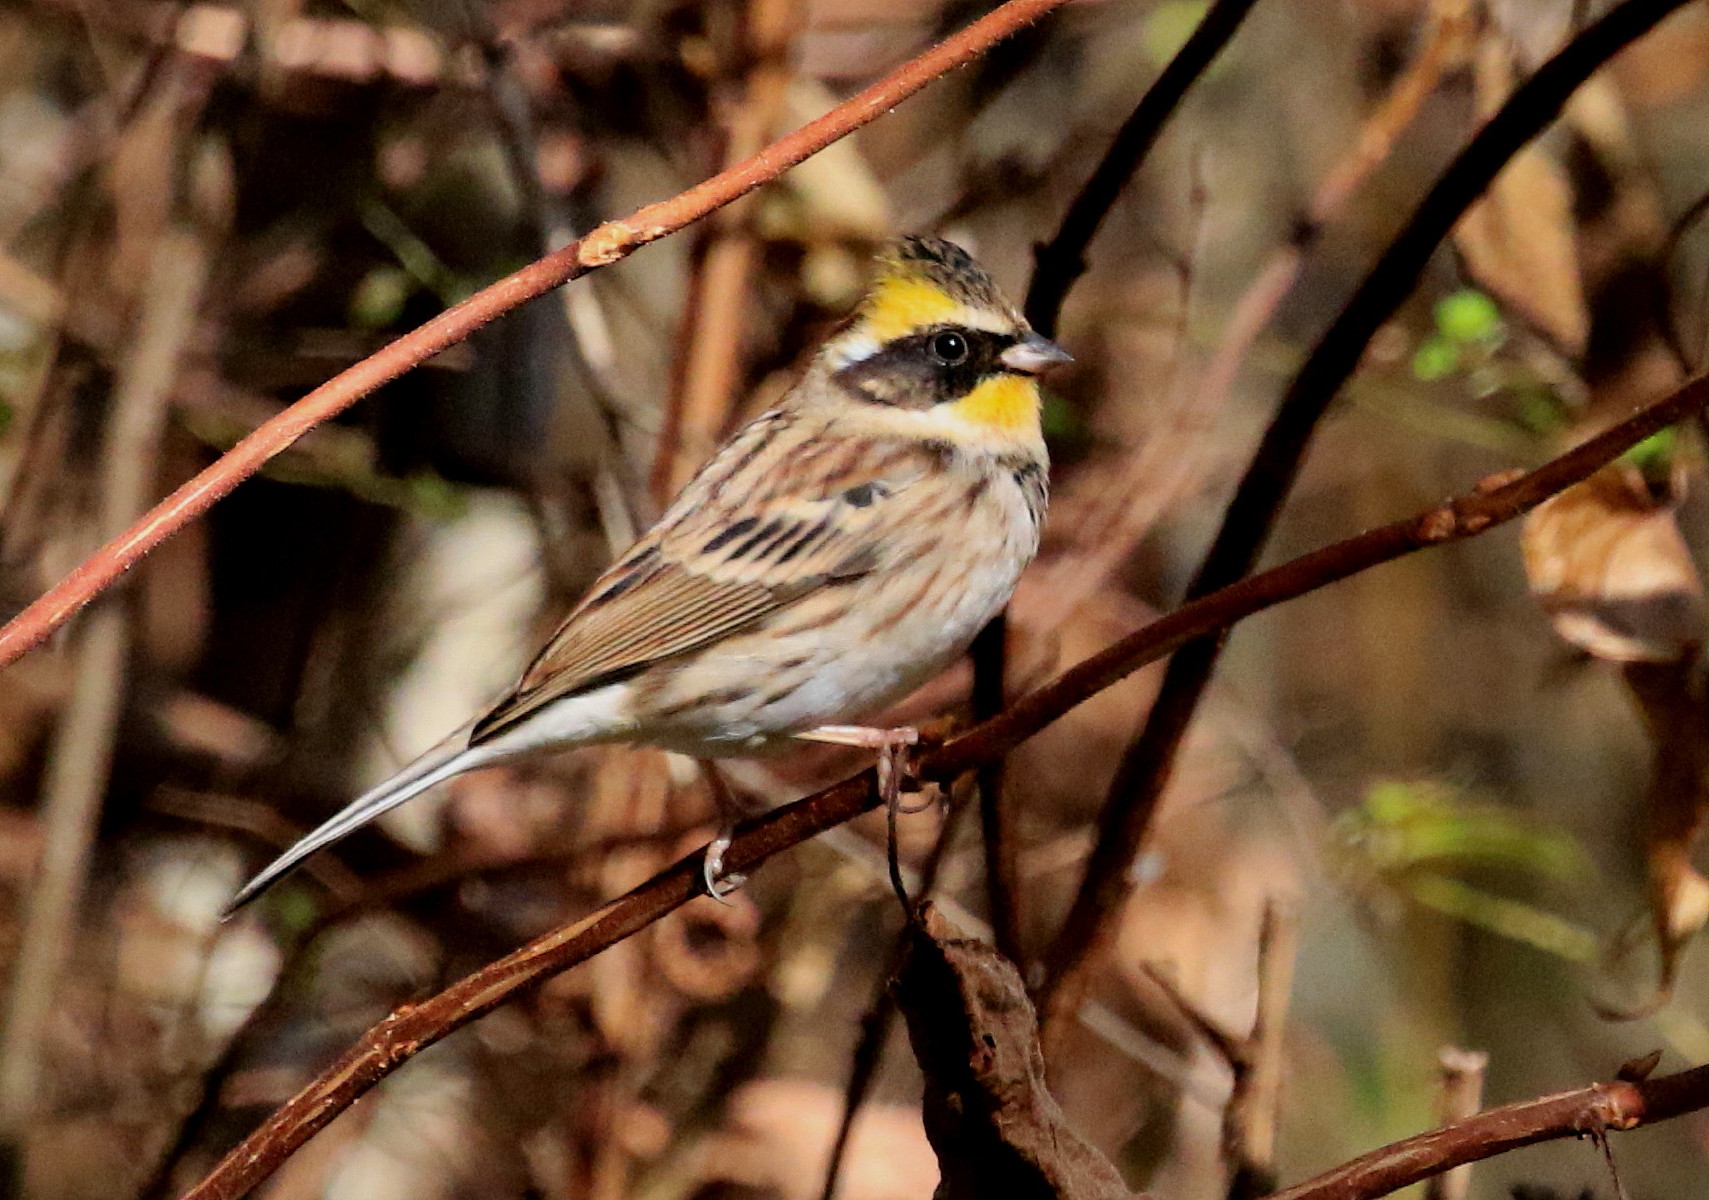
{"type": "Point", "coordinates": [1519, 242]}
{"type": "Point", "coordinates": [1671, 697]}
{"type": "Point", "coordinates": [992, 1121]}
{"type": "Point", "coordinates": [1607, 562]}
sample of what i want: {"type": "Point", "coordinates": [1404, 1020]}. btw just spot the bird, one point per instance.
{"type": "Point", "coordinates": [833, 554]}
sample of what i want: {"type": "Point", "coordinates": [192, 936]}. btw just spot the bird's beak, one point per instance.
{"type": "Point", "coordinates": [1033, 354]}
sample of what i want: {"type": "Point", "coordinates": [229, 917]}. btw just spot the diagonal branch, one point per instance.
{"type": "Point", "coordinates": [1590, 1111]}
{"type": "Point", "coordinates": [413, 1028]}
{"type": "Point", "coordinates": [1148, 762]}
{"type": "Point", "coordinates": [1061, 261]}
{"type": "Point", "coordinates": [605, 245]}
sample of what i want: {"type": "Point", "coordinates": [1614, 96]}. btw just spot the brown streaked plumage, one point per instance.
{"type": "Point", "coordinates": [833, 555]}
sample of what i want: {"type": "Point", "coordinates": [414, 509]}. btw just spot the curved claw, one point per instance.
{"type": "Point", "coordinates": [719, 885]}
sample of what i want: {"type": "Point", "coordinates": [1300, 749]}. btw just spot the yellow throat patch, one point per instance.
{"type": "Point", "coordinates": [1003, 404]}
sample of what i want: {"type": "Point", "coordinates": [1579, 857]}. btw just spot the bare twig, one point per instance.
{"type": "Point", "coordinates": [1062, 260]}
{"type": "Point", "coordinates": [76, 777]}
{"type": "Point", "coordinates": [1589, 1111]}
{"type": "Point", "coordinates": [1250, 1125]}
{"type": "Point", "coordinates": [698, 414]}
{"type": "Point", "coordinates": [1255, 1061]}
{"type": "Point", "coordinates": [605, 245]}
{"type": "Point", "coordinates": [880, 1016]}
{"type": "Point", "coordinates": [1058, 264]}
{"type": "Point", "coordinates": [990, 656]}
{"type": "Point", "coordinates": [1148, 762]}
{"type": "Point", "coordinates": [1229, 1047]}
{"type": "Point", "coordinates": [409, 1030]}
{"type": "Point", "coordinates": [1460, 1093]}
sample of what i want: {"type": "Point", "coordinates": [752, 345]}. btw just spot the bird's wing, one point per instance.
{"type": "Point", "coordinates": [748, 537]}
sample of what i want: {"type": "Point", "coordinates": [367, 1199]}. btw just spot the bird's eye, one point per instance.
{"type": "Point", "coordinates": [950, 349]}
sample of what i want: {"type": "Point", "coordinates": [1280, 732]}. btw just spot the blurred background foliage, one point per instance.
{"type": "Point", "coordinates": [1474, 774]}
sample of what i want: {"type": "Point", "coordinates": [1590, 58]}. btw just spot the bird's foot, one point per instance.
{"type": "Point", "coordinates": [718, 884]}
{"type": "Point", "coordinates": [893, 746]}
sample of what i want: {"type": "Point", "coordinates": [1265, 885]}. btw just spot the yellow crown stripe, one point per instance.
{"type": "Point", "coordinates": [901, 305]}
{"type": "Point", "coordinates": [1004, 403]}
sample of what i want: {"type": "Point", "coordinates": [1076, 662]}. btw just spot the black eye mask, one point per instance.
{"type": "Point", "coordinates": [935, 366]}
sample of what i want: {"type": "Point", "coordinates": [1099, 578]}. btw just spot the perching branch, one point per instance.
{"type": "Point", "coordinates": [605, 245]}
{"type": "Point", "coordinates": [1148, 762]}
{"type": "Point", "coordinates": [411, 1029]}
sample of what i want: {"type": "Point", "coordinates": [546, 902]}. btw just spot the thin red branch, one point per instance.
{"type": "Point", "coordinates": [411, 1029]}
{"type": "Point", "coordinates": [1588, 1112]}
{"type": "Point", "coordinates": [605, 245]}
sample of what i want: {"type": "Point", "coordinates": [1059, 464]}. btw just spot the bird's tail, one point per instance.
{"type": "Point", "coordinates": [450, 757]}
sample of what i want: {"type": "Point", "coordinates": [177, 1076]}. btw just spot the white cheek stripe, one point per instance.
{"type": "Point", "coordinates": [853, 348]}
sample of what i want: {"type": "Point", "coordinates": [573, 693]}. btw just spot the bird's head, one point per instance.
{"type": "Point", "coordinates": [935, 349]}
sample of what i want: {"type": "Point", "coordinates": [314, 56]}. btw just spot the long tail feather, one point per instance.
{"type": "Point", "coordinates": [450, 757]}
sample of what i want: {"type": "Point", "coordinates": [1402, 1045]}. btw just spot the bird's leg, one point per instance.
{"type": "Point", "coordinates": [892, 746]}
{"type": "Point", "coordinates": [730, 811]}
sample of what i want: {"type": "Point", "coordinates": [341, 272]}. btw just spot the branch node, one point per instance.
{"type": "Point", "coordinates": [1439, 524]}
{"type": "Point", "coordinates": [606, 244]}
{"type": "Point", "coordinates": [1494, 483]}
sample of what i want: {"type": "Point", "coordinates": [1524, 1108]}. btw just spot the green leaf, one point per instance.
{"type": "Point", "coordinates": [1540, 410]}
{"type": "Point", "coordinates": [379, 299]}
{"type": "Point", "coordinates": [1436, 358]}
{"type": "Point", "coordinates": [1407, 826]}
{"type": "Point", "coordinates": [1168, 27]}
{"type": "Point", "coordinates": [1654, 455]}
{"type": "Point", "coordinates": [1468, 316]}
{"type": "Point", "coordinates": [1508, 918]}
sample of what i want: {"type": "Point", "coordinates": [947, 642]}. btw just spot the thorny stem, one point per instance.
{"type": "Point", "coordinates": [605, 245]}
{"type": "Point", "coordinates": [1148, 762]}
{"type": "Point", "coordinates": [411, 1029]}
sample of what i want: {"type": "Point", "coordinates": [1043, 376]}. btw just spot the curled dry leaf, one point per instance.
{"type": "Point", "coordinates": [1671, 697]}
{"type": "Point", "coordinates": [1607, 562]}
{"type": "Point", "coordinates": [1519, 242]}
{"type": "Point", "coordinates": [993, 1123]}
